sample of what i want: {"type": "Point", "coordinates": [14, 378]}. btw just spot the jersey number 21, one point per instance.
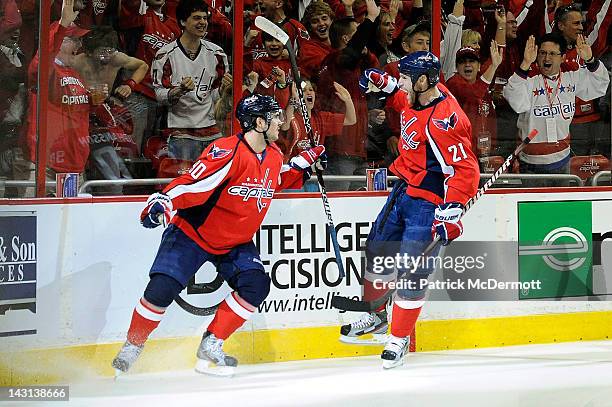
{"type": "Point", "coordinates": [458, 152]}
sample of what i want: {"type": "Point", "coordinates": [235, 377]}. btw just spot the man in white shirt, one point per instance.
{"type": "Point", "coordinates": [187, 74]}
{"type": "Point", "coordinates": [547, 101]}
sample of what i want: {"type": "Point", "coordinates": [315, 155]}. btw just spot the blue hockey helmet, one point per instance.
{"type": "Point", "coordinates": [254, 106]}
{"type": "Point", "coordinates": [420, 63]}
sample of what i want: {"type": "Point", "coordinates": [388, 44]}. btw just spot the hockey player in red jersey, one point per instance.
{"type": "Point", "coordinates": [219, 206]}
{"type": "Point", "coordinates": [438, 175]}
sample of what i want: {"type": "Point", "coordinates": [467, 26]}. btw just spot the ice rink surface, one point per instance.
{"type": "Point", "coordinates": [565, 374]}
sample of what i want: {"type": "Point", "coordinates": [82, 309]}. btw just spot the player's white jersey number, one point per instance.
{"type": "Point", "coordinates": [458, 152]}
{"type": "Point", "coordinates": [197, 169]}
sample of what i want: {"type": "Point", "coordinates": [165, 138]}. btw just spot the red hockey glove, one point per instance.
{"type": "Point", "coordinates": [158, 211]}
{"type": "Point", "coordinates": [306, 158]}
{"type": "Point", "coordinates": [447, 222]}
{"type": "Point", "coordinates": [375, 80]}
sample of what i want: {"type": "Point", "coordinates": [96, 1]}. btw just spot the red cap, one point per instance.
{"type": "Point", "coordinates": [467, 52]}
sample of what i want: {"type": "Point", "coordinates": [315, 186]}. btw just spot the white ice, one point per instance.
{"type": "Point", "coordinates": [564, 374]}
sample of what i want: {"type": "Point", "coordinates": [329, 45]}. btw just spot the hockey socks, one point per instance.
{"type": "Point", "coordinates": [230, 315]}
{"type": "Point", "coordinates": [405, 315]}
{"type": "Point", "coordinates": [371, 293]}
{"type": "Point", "coordinates": [144, 320]}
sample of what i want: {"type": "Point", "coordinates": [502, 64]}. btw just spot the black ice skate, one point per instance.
{"type": "Point", "coordinates": [394, 352]}
{"type": "Point", "coordinates": [211, 358]}
{"type": "Point", "coordinates": [356, 332]}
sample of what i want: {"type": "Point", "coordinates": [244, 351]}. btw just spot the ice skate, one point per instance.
{"type": "Point", "coordinates": [126, 357]}
{"type": "Point", "coordinates": [369, 329]}
{"type": "Point", "coordinates": [394, 352]}
{"type": "Point", "coordinates": [211, 358]}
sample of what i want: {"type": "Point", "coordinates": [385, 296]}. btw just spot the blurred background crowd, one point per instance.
{"type": "Point", "coordinates": [138, 88]}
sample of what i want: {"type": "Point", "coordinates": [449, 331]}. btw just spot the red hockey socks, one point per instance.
{"type": "Point", "coordinates": [371, 293]}
{"type": "Point", "coordinates": [405, 315]}
{"type": "Point", "coordinates": [144, 320]}
{"type": "Point", "coordinates": [230, 315]}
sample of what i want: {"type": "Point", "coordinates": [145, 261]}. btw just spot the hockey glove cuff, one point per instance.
{"type": "Point", "coordinates": [306, 158]}
{"type": "Point", "coordinates": [157, 212]}
{"type": "Point", "coordinates": [374, 80]}
{"type": "Point", "coordinates": [447, 222]}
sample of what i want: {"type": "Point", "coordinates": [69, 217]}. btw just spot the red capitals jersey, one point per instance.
{"type": "Point", "coordinates": [157, 31]}
{"type": "Point", "coordinates": [224, 198]}
{"type": "Point", "coordinates": [67, 115]}
{"type": "Point", "coordinates": [436, 158]}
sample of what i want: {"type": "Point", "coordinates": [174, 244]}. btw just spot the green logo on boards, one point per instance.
{"type": "Point", "coordinates": [555, 247]}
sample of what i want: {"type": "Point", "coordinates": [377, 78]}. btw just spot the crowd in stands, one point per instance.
{"type": "Point", "coordinates": [138, 88]}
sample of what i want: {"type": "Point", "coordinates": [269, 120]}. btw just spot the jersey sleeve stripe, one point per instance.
{"type": "Point", "coordinates": [207, 184]}
{"type": "Point", "coordinates": [446, 169]}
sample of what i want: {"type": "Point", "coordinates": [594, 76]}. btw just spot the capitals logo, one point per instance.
{"type": "Point", "coordinates": [260, 192]}
{"type": "Point", "coordinates": [447, 122]}
{"type": "Point", "coordinates": [216, 153]}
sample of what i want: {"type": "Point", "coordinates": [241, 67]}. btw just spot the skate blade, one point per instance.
{"type": "Point", "coordinates": [390, 364]}
{"type": "Point", "coordinates": [118, 373]}
{"type": "Point", "coordinates": [209, 368]}
{"type": "Point", "coordinates": [371, 339]}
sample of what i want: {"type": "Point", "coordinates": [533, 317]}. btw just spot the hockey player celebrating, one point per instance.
{"type": "Point", "coordinates": [219, 206]}
{"type": "Point", "coordinates": [438, 175]}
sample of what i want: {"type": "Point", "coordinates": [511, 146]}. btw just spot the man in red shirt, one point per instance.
{"type": "Point", "coordinates": [438, 175]}
{"type": "Point", "coordinates": [67, 146]}
{"type": "Point", "coordinates": [472, 91]}
{"type": "Point", "coordinates": [273, 71]}
{"type": "Point", "coordinates": [219, 206]}
{"type": "Point", "coordinates": [318, 18]}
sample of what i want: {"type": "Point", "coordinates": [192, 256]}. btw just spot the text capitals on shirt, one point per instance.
{"type": "Point", "coordinates": [257, 191]}
{"type": "Point", "coordinates": [154, 41]}
{"type": "Point", "coordinates": [546, 110]}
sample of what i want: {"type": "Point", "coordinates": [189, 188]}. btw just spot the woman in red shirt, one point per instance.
{"type": "Point", "coordinates": [295, 140]}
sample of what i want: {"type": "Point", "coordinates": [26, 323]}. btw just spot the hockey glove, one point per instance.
{"type": "Point", "coordinates": [158, 211]}
{"type": "Point", "coordinates": [306, 158]}
{"type": "Point", "coordinates": [375, 80]}
{"type": "Point", "coordinates": [447, 222]}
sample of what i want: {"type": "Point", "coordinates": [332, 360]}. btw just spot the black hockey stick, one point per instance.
{"type": "Point", "coordinates": [349, 304]}
{"type": "Point", "coordinates": [275, 31]}
{"type": "Point", "coordinates": [200, 288]}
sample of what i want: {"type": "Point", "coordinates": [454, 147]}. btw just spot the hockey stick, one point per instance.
{"type": "Point", "coordinates": [348, 304]}
{"type": "Point", "coordinates": [275, 31]}
{"type": "Point", "coordinates": [200, 288]}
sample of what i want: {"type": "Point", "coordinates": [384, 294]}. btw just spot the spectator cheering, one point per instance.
{"type": "Point", "coordinates": [546, 102]}
{"type": "Point", "coordinates": [187, 75]}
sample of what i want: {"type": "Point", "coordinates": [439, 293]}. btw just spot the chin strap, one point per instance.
{"type": "Point", "coordinates": [265, 133]}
